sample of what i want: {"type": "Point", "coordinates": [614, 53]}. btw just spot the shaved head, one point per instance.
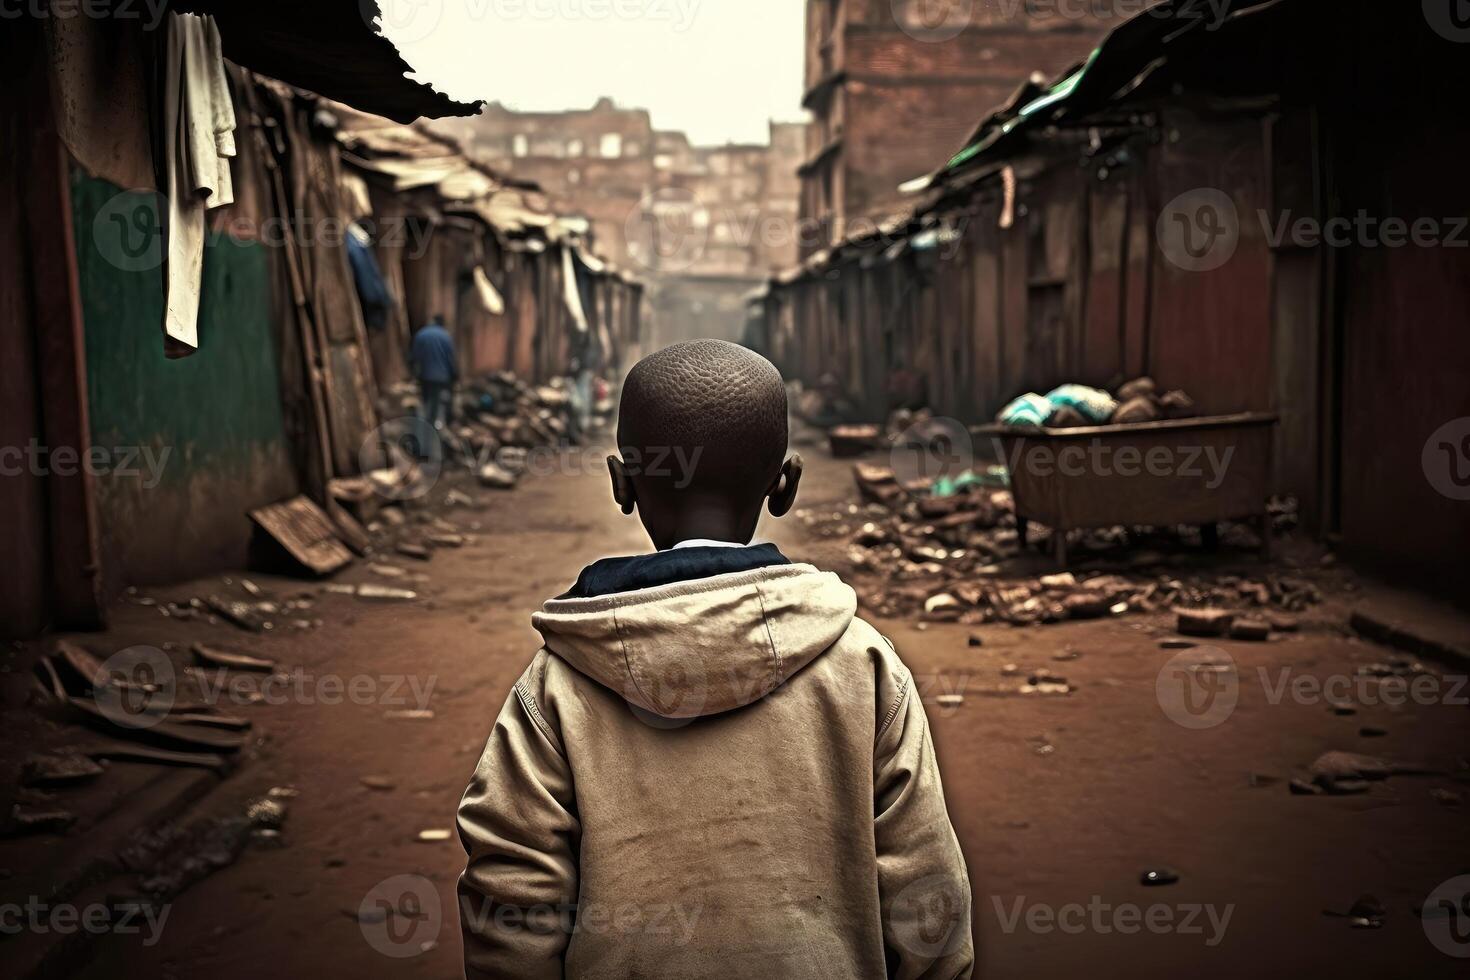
{"type": "Point", "coordinates": [718, 400]}
{"type": "Point", "coordinates": [705, 422]}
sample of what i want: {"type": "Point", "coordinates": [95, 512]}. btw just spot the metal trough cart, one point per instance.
{"type": "Point", "coordinates": [1185, 471]}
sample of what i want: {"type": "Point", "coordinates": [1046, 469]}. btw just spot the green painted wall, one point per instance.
{"type": "Point", "coordinates": [217, 414]}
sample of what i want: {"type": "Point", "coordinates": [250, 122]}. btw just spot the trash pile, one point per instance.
{"type": "Point", "coordinates": [134, 707]}
{"type": "Point", "coordinates": [498, 420]}
{"type": "Point", "coordinates": [1072, 405]}
{"type": "Point", "coordinates": [937, 551]}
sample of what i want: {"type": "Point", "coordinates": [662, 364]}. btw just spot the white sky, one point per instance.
{"type": "Point", "coordinates": [717, 69]}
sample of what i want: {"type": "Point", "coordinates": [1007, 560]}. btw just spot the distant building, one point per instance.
{"type": "Point", "coordinates": [722, 221]}
{"type": "Point", "coordinates": [705, 224]}
{"type": "Point", "coordinates": [597, 162]}
{"type": "Point", "coordinates": [895, 86]}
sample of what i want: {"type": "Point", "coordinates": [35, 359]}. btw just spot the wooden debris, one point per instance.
{"type": "Point", "coordinates": [212, 656]}
{"type": "Point", "coordinates": [305, 532]}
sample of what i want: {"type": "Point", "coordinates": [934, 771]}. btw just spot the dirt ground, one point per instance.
{"type": "Point", "coordinates": [1060, 802]}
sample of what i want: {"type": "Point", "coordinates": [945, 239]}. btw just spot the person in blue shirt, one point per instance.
{"type": "Point", "coordinates": [436, 369]}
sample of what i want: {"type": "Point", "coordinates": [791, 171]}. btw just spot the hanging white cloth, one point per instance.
{"type": "Point", "coordinates": [570, 291]}
{"type": "Point", "coordinates": [198, 142]}
{"type": "Point", "coordinates": [486, 293]}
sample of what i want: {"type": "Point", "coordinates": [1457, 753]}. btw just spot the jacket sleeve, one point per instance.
{"type": "Point", "coordinates": [519, 827]}
{"type": "Point", "coordinates": [923, 887]}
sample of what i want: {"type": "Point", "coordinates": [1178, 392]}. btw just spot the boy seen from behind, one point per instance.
{"type": "Point", "coordinates": [713, 767]}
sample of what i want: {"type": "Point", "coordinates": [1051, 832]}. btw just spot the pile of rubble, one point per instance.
{"type": "Point", "coordinates": [498, 420]}
{"type": "Point", "coordinates": [944, 557]}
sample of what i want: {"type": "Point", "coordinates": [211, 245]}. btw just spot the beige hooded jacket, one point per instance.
{"type": "Point", "coordinates": [726, 777]}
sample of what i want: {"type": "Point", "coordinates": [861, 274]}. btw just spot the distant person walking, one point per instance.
{"type": "Point", "coordinates": [436, 369]}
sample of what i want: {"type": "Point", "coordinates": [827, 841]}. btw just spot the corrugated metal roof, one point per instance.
{"type": "Point", "coordinates": [331, 47]}
{"type": "Point", "coordinates": [1129, 51]}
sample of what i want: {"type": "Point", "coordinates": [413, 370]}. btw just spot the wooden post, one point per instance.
{"type": "Point", "coordinates": [74, 579]}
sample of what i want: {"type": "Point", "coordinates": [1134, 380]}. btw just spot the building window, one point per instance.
{"type": "Point", "coordinates": [575, 148]}
{"type": "Point", "coordinates": [611, 145]}
{"type": "Point", "coordinates": [519, 145]}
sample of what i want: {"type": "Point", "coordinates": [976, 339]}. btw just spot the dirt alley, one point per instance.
{"type": "Point", "coordinates": [1121, 790]}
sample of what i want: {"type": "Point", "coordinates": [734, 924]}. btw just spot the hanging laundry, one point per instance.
{"type": "Point", "coordinates": [372, 291]}
{"type": "Point", "coordinates": [572, 294]}
{"type": "Point", "coordinates": [486, 294]}
{"type": "Point", "coordinates": [198, 144]}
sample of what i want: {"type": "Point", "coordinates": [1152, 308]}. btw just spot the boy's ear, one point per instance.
{"type": "Point", "coordinates": [622, 485]}
{"type": "Point", "coordinates": [783, 492]}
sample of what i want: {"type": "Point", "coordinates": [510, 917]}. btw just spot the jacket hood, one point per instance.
{"type": "Point", "coordinates": [704, 646]}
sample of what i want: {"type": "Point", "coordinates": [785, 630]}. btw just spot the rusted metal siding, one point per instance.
{"type": "Point", "coordinates": [1406, 360]}
{"type": "Point", "coordinates": [1210, 331]}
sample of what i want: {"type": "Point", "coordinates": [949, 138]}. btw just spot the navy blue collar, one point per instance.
{"type": "Point", "coordinates": [611, 575]}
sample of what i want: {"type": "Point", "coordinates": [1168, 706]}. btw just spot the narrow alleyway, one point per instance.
{"type": "Point", "coordinates": [1058, 800]}
{"type": "Point", "coordinates": [1129, 376]}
